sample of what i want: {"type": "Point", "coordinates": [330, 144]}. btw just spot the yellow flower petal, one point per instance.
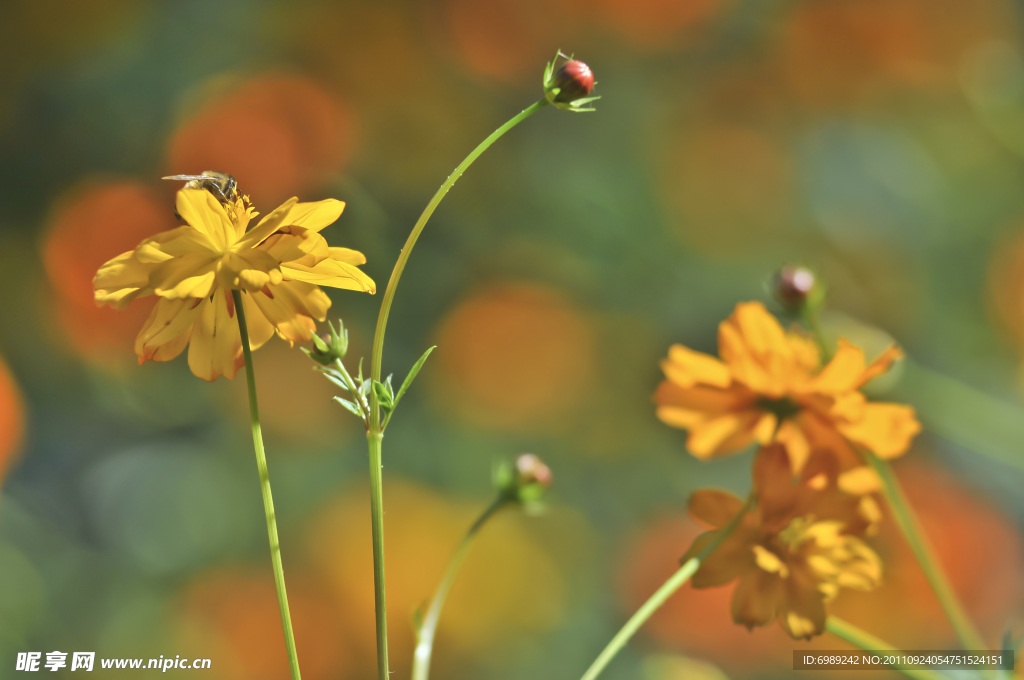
{"type": "Point", "coordinates": [885, 429]}
{"type": "Point", "coordinates": [843, 373]}
{"type": "Point", "coordinates": [769, 561]}
{"type": "Point", "coordinates": [291, 307]}
{"type": "Point", "coordinates": [121, 280]}
{"type": "Point", "coordinates": [190, 275]}
{"type": "Point", "coordinates": [260, 330]}
{"type": "Point", "coordinates": [686, 367]}
{"type": "Point", "coordinates": [215, 348]}
{"type": "Point", "coordinates": [859, 481]}
{"type": "Point", "coordinates": [315, 216]}
{"type": "Point", "coordinates": [331, 273]}
{"type": "Point", "coordinates": [201, 210]}
{"type": "Point", "coordinates": [167, 330]}
{"type": "Point", "coordinates": [268, 225]}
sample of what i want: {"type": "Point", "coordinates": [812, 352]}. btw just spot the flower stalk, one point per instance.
{"type": "Point", "coordinates": [427, 628]}
{"type": "Point", "coordinates": [925, 554]}
{"type": "Point", "coordinates": [869, 643]}
{"type": "Point", "coordinates": [268, 499]}
{"type": "Point", "coordinates": [376, 421]}
{"type": "Point", "coordinates": [674, 583]}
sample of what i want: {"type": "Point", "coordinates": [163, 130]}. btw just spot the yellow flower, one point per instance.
{"type": "Point", "coordinates": [278, 265]}
{"type": "Point", "coordinates": [794, 550]}
{"type": "Point", "coordinates": [769, 386]}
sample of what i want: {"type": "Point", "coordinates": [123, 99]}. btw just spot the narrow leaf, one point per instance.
{"type": "Point", "coordinates": [349, 406]}
{"type": "Point", "coordinates": [383, 396]}
{"type": "Point", "coordinates": [412, 374]}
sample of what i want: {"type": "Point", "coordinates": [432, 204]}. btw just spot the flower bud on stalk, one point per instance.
{"type": "Point", "coordinates": [525, 480]}
{"type": "Point", "coordinates": [569, 86]}
{"type": "Point", "coordinates": [797, 289]}
{"type": "Point", "coordinates": [329, 347]}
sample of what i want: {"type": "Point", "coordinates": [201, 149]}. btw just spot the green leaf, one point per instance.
{"type": "Point", "coordinates": [340, 382]}
{"type": "Point", "coordinates": [412, 374]}
{"type": "Point", "coordinates": [384, 398]}
{"type": "Point", "coordinates": [350, 407]}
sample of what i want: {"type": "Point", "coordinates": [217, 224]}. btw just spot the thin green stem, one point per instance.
{"type": "Point", "coordinates": [425, 634]}
{"type": "Point", "coordinates": [660, 596]}
{"type": "Point", "coordinates": [375, 433]}
{"type": "Point", "coordinates": [810, 320]}
{"type": "Point", "coordinates": [396, 274]}
{"type": "Point", "coordinates": [268, 499]}
{"type": "Point", "coordinates": [869, 643]}
{"type": "Point", "coordinates": [377, 527]}
{"type": "Point", "coordinates": [919, 544]}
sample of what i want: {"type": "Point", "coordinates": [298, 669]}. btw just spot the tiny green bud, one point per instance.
{"type": "Point", "coordinates": [329, 347]}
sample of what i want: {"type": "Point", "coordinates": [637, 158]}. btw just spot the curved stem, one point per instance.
{"type": "Point", "coordinates": [425, 634]}
{"type": "Point", "coordinates": [869, 643]}
{"type": "Point", "coordinates": [670, 586]}
{"type": "Point", "coordinates": [268, 499]}
{"type": "Point", "coordinates": [919, 544]}
{"type": "Point", "coordinates": [375, 433]}
{"type": "Point", "coordinates": [396, 274]}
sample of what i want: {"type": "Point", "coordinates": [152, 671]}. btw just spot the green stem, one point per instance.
{"type": "Point", "coordinates": [396, 274]}
{"type": "Point", "coordinates": [869, 643]}
{"type": "Point", "coordinates": [375, 433]}
{"type": "Point", "coordinates": [670, 586]}
{"type": "Point", "coordinates": [810, 320]}
{"type": "Point", "coordinates": [425, 634]}
{"type": "Point", "coordinates": [377, 527]}
{"type": "Point", "coordinates": [919, 544]}
{"type": "Point", "coordinates": [268, 499]}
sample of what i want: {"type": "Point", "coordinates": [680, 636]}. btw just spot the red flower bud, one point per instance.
{"type": "Point", "coordinates": [531, 470]}
{"type": "Point", "coordinates": [793, 284]}
{"type": "Point", "coordinates": [574, 80]}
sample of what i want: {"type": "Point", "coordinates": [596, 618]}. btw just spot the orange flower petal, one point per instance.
{"type": "Point", "coordinates": [714, 507]}
{"type": "Point", "coordinates": [843, 373]}
{"type": "Point", "coordinates": [885, 429]}
{"type": "Point", "coordinates": [723, 434]}
{"type": "Point", "coordinates": [756, 598]}
{"type": "Point", "coordinates": [795, 443]}
{"type": "Point", "coordinates": [881, 364]}
{"type": "Point", "coordinates": [686, 367]}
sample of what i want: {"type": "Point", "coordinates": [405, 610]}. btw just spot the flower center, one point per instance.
{"type": "Point", "coordinates": [782, 408]}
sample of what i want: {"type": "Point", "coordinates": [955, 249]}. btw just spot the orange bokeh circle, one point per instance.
{"type": "Point", "coordinates": [95, 223]}
{"type": "Point", "coordinates": [279, 135]}
{"type": "Point", "coordinates": [231, 614]}
{"type": "Point", "coordinates": [515, 356]}
{"type": "Point", "coordinates": [12, 419]}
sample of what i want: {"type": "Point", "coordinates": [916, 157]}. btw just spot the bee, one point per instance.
{"type": "Point", "coordinates": [222, 185]}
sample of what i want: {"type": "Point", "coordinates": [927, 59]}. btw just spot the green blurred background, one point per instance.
{"type": "Point", "coordinates": [880, 141]}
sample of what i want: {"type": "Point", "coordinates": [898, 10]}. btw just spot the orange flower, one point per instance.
{"type": "Point", "coordinates": [769, 386]}
{"type": "Point", "coordinates": [794, 550]}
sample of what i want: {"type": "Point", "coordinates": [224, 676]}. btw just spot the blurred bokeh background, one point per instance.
{"type": "Point", "coordinates": [880, 141]}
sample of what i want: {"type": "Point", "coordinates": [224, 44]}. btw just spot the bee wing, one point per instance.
{"type": "Point", "coordinates": [186, 178]}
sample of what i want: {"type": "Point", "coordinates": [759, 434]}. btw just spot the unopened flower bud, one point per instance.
{"type": "Point", "coordinates": [524, 480]}
{"type": "Point", "coordinates": [569, 86]}
{"type": "Point", "coordinates": [574, 80]}
{"type": "Point", "coordinates": [793, 284]}
{"type": "Point", "coordinates": [797, 288]}
{"type": "Point", "coordinates": [329, 347]}
{"type": "Point", "coordinates": [531, 470]}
